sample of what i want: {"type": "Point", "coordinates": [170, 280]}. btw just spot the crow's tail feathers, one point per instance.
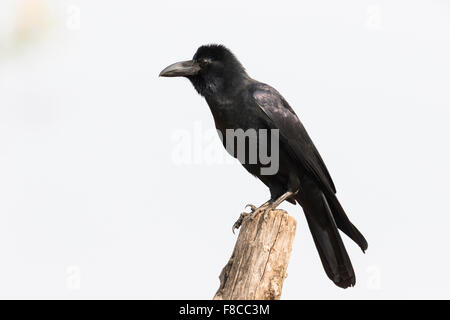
{"type": "Point", "coordinates": [344, 224]}
{"type": "Point", "coordinates": [333, 255]}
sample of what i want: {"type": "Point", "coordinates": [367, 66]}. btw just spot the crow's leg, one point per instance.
{"type": "Point", "coordinates": [264, 208]}
{"type": "Point", "coordinates": [273, 205]}
{"type": "Point", "coordinates": [254, 210]}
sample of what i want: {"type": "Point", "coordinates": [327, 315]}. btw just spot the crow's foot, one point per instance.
{"type": "Point", "coordinates": [254, 211]}
{"type": "Point", "coordinates": [239, 221]}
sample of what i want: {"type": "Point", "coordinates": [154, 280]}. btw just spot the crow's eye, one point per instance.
{"type": "Point", "coordinates": [204, 62]}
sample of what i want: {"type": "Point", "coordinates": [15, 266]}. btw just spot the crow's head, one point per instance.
{"type": "Point", "coordinates": [213, 70]}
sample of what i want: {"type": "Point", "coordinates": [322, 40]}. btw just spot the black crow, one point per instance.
{"type": "Point", "coordinates": [239, 102]}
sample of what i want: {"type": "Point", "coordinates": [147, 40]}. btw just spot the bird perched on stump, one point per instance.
{"type": "Point", "coordinates": [241, 104]}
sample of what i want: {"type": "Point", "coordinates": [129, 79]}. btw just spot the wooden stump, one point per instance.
{"type": "Point", "coordinates": [257, 267]}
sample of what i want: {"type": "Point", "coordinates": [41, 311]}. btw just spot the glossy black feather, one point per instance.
{"type": "Point", "coordinates": [237, 101]}
{"type": "Point", "coordinates": [292, 131]}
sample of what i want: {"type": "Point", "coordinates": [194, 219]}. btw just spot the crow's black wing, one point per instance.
{"type": "Point", "coordinates": [293, 135]}
{"type": "Point", "coordinates": [281, 116]}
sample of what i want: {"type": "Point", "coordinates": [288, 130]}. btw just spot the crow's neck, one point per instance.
{"type": "Point", "coordinates": [224, 88]}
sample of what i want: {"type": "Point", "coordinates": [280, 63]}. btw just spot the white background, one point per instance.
{"type": "Point", "coordinates": [93, 203]}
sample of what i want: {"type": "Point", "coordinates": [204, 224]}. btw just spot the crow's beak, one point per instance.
{"type": "Point", "coordinates": [181, 69]}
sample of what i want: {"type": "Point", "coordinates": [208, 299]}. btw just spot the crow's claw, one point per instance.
{"type": "Point", "coordinates": [239, 221]}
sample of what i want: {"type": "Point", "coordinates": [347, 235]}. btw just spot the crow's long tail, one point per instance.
{"type": "Point", "coordinates": [343, 223]}
{"type": "Point", "coordinates": [333, 255]}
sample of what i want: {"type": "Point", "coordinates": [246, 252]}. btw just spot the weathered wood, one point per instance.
{"type": "Point", "coordinates": [257, 267]}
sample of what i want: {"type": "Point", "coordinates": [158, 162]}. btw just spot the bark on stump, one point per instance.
{"type": "Point", "coordinates": [257, 267]}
